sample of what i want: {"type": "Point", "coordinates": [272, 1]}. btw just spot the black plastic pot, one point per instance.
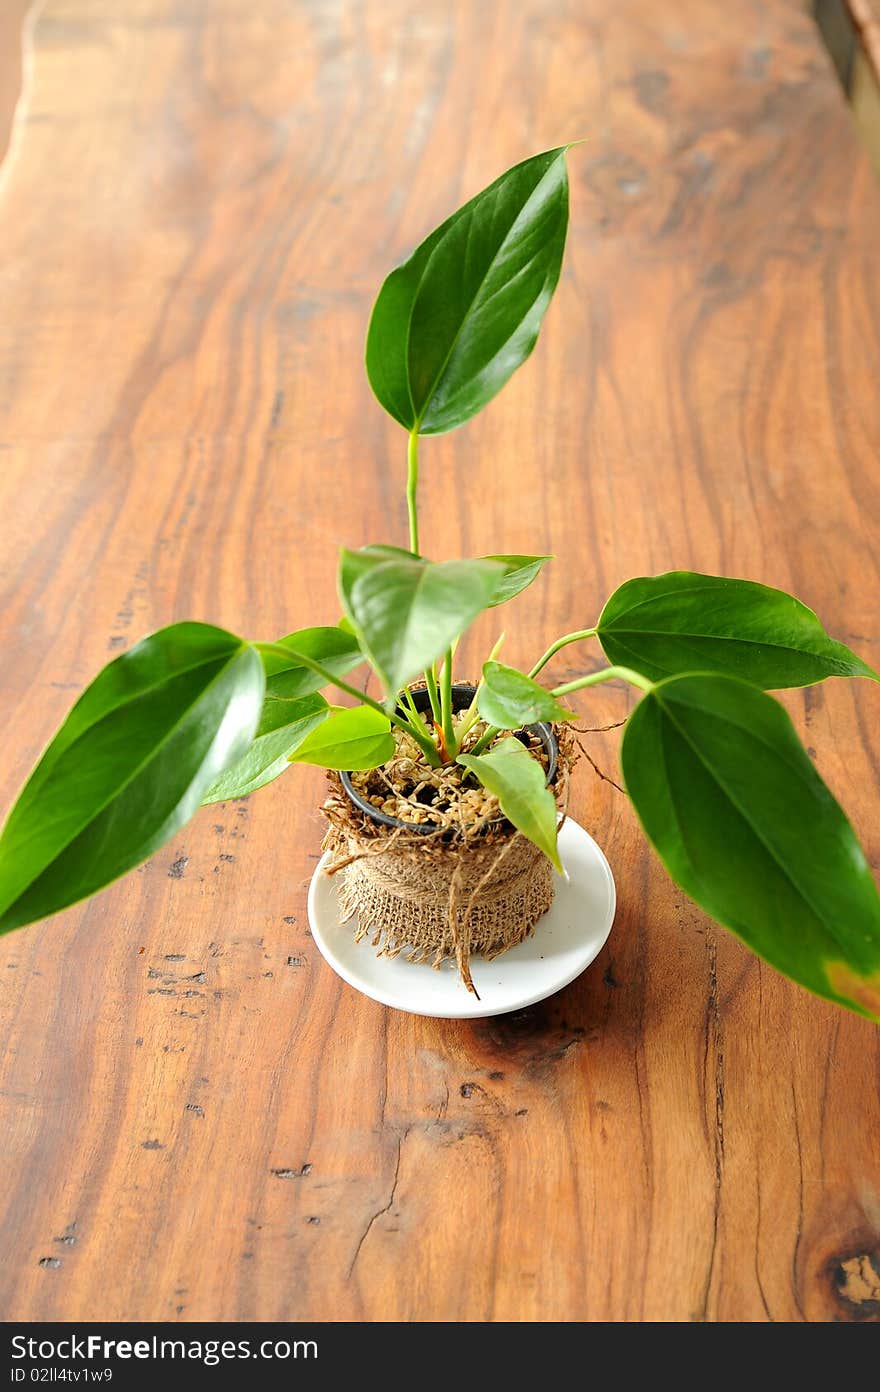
{"type": "Point", "coordinates": [462, 695]}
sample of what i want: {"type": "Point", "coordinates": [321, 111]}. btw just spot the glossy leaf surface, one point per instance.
{"type": "Point", "coordinates": [452, 324]}
{"type": "Point", "coordinates": [355, 738]}
{"type": "Point", "coordinates": [744, 824]}
{"type": "Point", "coordinates": [407, 612]}
{"type": "Point", "coordinates": [129, 766]}
{"type": "Point", "coordinates": [519, 572]}
{"type": "Point", "coordinates": [519, 783]}
{"type": "Point", "coordinates": [508, 699]}
{"type": "Point", "coordinates": [334, 647]}
{"type": "Point", "coordinates": [663, 625]}
{"type": "Point", "coordinates": [284, 725]}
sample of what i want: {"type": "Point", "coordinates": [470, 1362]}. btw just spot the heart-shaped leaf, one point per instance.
{"type": "Point", "coordinates": [407, 612]}
{"type": "Point", "coordinates": [452, 324]}
{"type": "Point", "coordinates": [354, 564]}
{"type": "Point", "coordinates": [508, 698]}
{"type": "Point", "coordinates": [743, 822]}
{"type": "Point", "coordinates": [663, 625]}
{"type": "Point", "coordinates": [129, 766]}
{"type": "Point", "coordinates": [354, 738]}
{"type": "Point", "coordinates": [519, 782]}
{"type": "Point", "coordinates": [336, 649]}
{"type": "Point", "coordinates": [519, 572]}
{"type": "Point", "coordinates": [284, 725]}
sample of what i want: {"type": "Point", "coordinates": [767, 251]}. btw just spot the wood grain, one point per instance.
{"type": "Point", "coordinates": [201, 1121]}
{"type": "Point", "coordinates": [13, 16]}
{"type": "Point", "coordinates": [865, 16]}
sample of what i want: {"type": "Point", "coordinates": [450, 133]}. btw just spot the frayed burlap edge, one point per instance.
{"type": "Point", "coordinates": [433, 897]}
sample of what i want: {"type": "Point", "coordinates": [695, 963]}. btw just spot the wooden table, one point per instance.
{"type": "Point", "coordinates": [865, 18]}
{"type": "Point", "coordinates": [200, 1120]}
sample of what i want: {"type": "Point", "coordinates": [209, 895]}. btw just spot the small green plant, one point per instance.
{"type": "Point", "coordinates": [714, 768]}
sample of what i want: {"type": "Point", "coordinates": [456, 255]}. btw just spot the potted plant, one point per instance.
{"type": "Point", "coordinates": [446, 797]}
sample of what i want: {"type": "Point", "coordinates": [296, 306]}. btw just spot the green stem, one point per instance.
{"type": "Point", "coordinates": [433, 685]}
{"type": "Point", "coordinates": [422, 738]}
{"type": "Point", "coordinates": [472, 715]}
{"type": "Point", "coordinates": [606, 674]}
{"type": "Point", "coordinates": [446, 706]}
{"type": "Point", "coordinates": [412, 488]}
{"type": "Point", "coordinates": [485, 739]}
{"type": "Point", "coordinates": [410, 703]}
{"type": "Point", "coordinates": [561, 643]}
{"type": "Point", "coordinates": [416, 726]}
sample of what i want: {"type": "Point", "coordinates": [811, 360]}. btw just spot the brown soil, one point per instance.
{"type": "Point", "coordinates": [406, 787]}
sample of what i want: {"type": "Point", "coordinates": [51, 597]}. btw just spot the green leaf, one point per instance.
{"type": "Point", "coordinates": [508, 699]}
{"type": "Point", "coordinates": [452, 324]}
{"type": "Point", "coordinates": [407, 612]}
{"type": "Point", "coordinates": [291, 707]}
{"type": "Point", "coordinates": [129, 766]}
{"type": "Point", "coordinates": [353, 738]}
{"type": "Point", "coordinates": [518, 781]}
{"type": "Point", "coordinates": [354, 564]}
{"type": "Point", "coordinates": [335, 648]}
{"type": "Point", "coordinates": [663, 625]}
{"type": "Point", "coordinates": [519, 572]}
{"type": "Point", "coordinates": [743, 822]}
{"type": "Point", "coordinates": [284, 725]}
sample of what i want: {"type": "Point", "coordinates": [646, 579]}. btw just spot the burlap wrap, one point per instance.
{"type": "Point", "coordinates": [434, 899]}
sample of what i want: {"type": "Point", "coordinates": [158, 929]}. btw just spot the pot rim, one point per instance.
{"type": "Point", "coordinates": [462, 695]}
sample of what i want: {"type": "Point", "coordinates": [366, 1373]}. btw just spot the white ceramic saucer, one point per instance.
{"type": "Point", "coordinates": [564, 942]}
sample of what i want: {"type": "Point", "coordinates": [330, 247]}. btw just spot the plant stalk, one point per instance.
{"type": "Point", "coordinates": [412, 489]}
{"type": "Point", "coordinates": [561, 643]}
{"type": "Point", "coordinates": [433, 685]}
{"type": "Point", "coordinates": [485, 739]}
{"type": "Point", "coordinates": [593, 679]}
{"type": "Point", "coordinates": [471, 715]}
{"type": "Point", "coordinates": [605, 674]}
{"type": "Point", "coordinates": [411, 705]}
{"type": "Point", "coordinates": [446, 707]}
{"type": "Point", "coordinates": [421, 737]}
